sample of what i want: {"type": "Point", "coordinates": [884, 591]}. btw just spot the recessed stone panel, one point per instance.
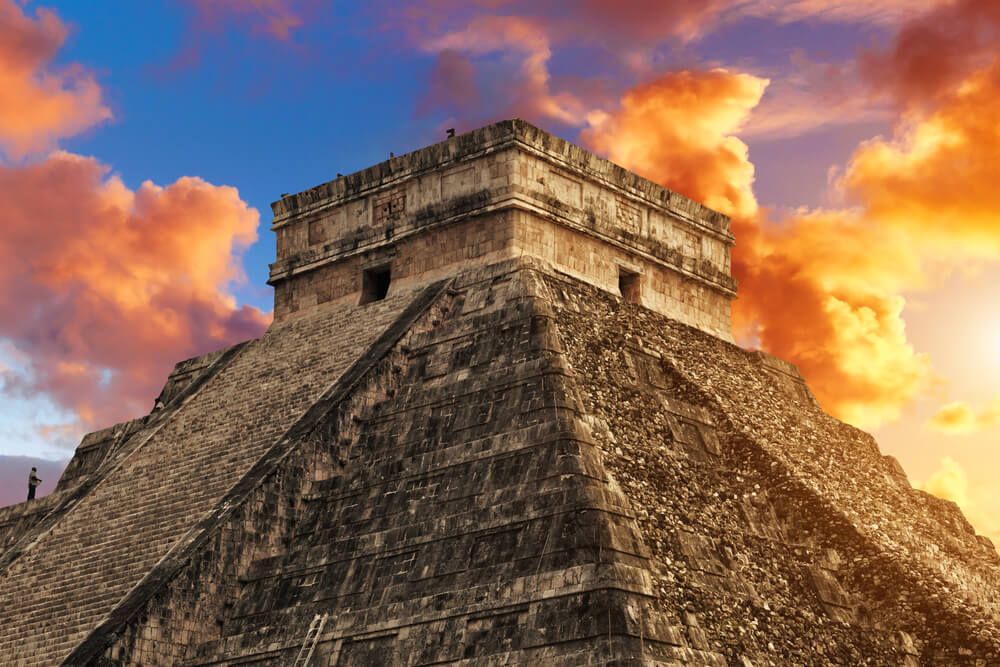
{"type": "Point", "coordinates": [565, 188]}
{"type": "Point", "coordinates": [458, 182]}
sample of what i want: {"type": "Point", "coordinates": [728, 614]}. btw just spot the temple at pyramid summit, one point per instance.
{"type": "Point", "coordinates": [499, 419]}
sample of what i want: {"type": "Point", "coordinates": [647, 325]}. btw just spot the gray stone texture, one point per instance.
{"type": "Point", "coordinates": [503, 462]}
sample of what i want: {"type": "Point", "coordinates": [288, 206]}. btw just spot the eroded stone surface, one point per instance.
{"type": "Point", "coordinates": [783, 530]}
{"type": "Point", "coordinates": [506, 190]}
{"type": "Point", "coordinates": [502, 462]}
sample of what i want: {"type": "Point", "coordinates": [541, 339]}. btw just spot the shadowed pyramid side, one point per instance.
{"type": "Point", "coordinates": [472, 518]}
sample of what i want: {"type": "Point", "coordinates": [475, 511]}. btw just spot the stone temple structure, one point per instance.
{"type": "Point", "coordinates": [499, 419]}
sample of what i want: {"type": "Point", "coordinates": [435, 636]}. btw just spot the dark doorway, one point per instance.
{"type": "Point", "coordinates": [375, 284]}
{"type": "Point", "coordinates": [629, 284]}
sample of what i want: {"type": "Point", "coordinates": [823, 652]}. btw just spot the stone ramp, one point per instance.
{"type": "Point", "coordinates": [472, 521]}
{"type": "Point", "coordinates": [75, 573]}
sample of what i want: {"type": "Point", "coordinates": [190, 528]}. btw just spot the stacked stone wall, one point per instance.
{"type": "Point", "coordinates": [585, 215]}
{"type": "Point", "coordinates": [476, 241]}
{"type": "Point", "coordinates": [597, 206]}
{"type": "Point", "coordinates": [54, 594]}
{"type": "Point", "coordinates": [601, 263]}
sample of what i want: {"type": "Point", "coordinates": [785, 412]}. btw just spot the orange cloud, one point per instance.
{"type": "Point", "coordinates": [105, 288]}
{"type": "Point", "coordinates": [923, 201]}
{"type": "Point", "coordinates": [819, 289]}
{"type": "Point", "coordinates": [822, 289]}
{"type": "Point", "coordinates": [951, 482]}
{"type": "Point", "coordinates": [936, 178]}
{"type": "Point", "coordinates": [959, 417]}
{"type": "Point", "coordinates": [679, 130]}
{"type": "Point", "coordinates": [38, 104]}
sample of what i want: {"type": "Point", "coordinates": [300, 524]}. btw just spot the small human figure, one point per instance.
{"type": "Point", "coordinates": [33, 481]}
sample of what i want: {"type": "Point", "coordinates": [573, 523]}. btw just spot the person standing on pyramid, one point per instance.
{"type": "Point", "coordinates": [33, 481]}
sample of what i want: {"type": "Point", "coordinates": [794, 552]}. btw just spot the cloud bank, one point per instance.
{"type": "Point", "coordinates": [105, 287]}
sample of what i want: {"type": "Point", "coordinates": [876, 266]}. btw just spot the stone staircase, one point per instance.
{"type": "Point", "coordinates": [471, 519]}
{"type": "Point", "coordinates": [73, 575]}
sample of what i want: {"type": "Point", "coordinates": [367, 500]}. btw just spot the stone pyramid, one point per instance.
{"type": "Point", "coordinates": [498, 420]}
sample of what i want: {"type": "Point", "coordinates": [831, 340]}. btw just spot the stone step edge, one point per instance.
{"type": "Point", "coordinates": [175, 560]}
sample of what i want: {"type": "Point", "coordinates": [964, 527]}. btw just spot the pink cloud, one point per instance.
{"type": "Point", "coordinates": [106, 288]}
{"type": "Point", "coordinates": [274, 18]}
{"type": "Point", "coordinates": [525, 91]}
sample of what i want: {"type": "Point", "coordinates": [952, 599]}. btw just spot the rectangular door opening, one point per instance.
{"type": "Point", "coordinates": [375, 284]}
{"type": "Point", "coordinates": [629, 283]}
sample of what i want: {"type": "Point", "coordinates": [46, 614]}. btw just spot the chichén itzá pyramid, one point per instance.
{"type": "Point", "coordinates": [499, 419]}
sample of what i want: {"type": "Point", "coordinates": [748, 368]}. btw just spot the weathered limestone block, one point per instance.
{"type": "Point", "coordinates": [505, 190]}
{"type": "Point", "coordinates": [498, 420]}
